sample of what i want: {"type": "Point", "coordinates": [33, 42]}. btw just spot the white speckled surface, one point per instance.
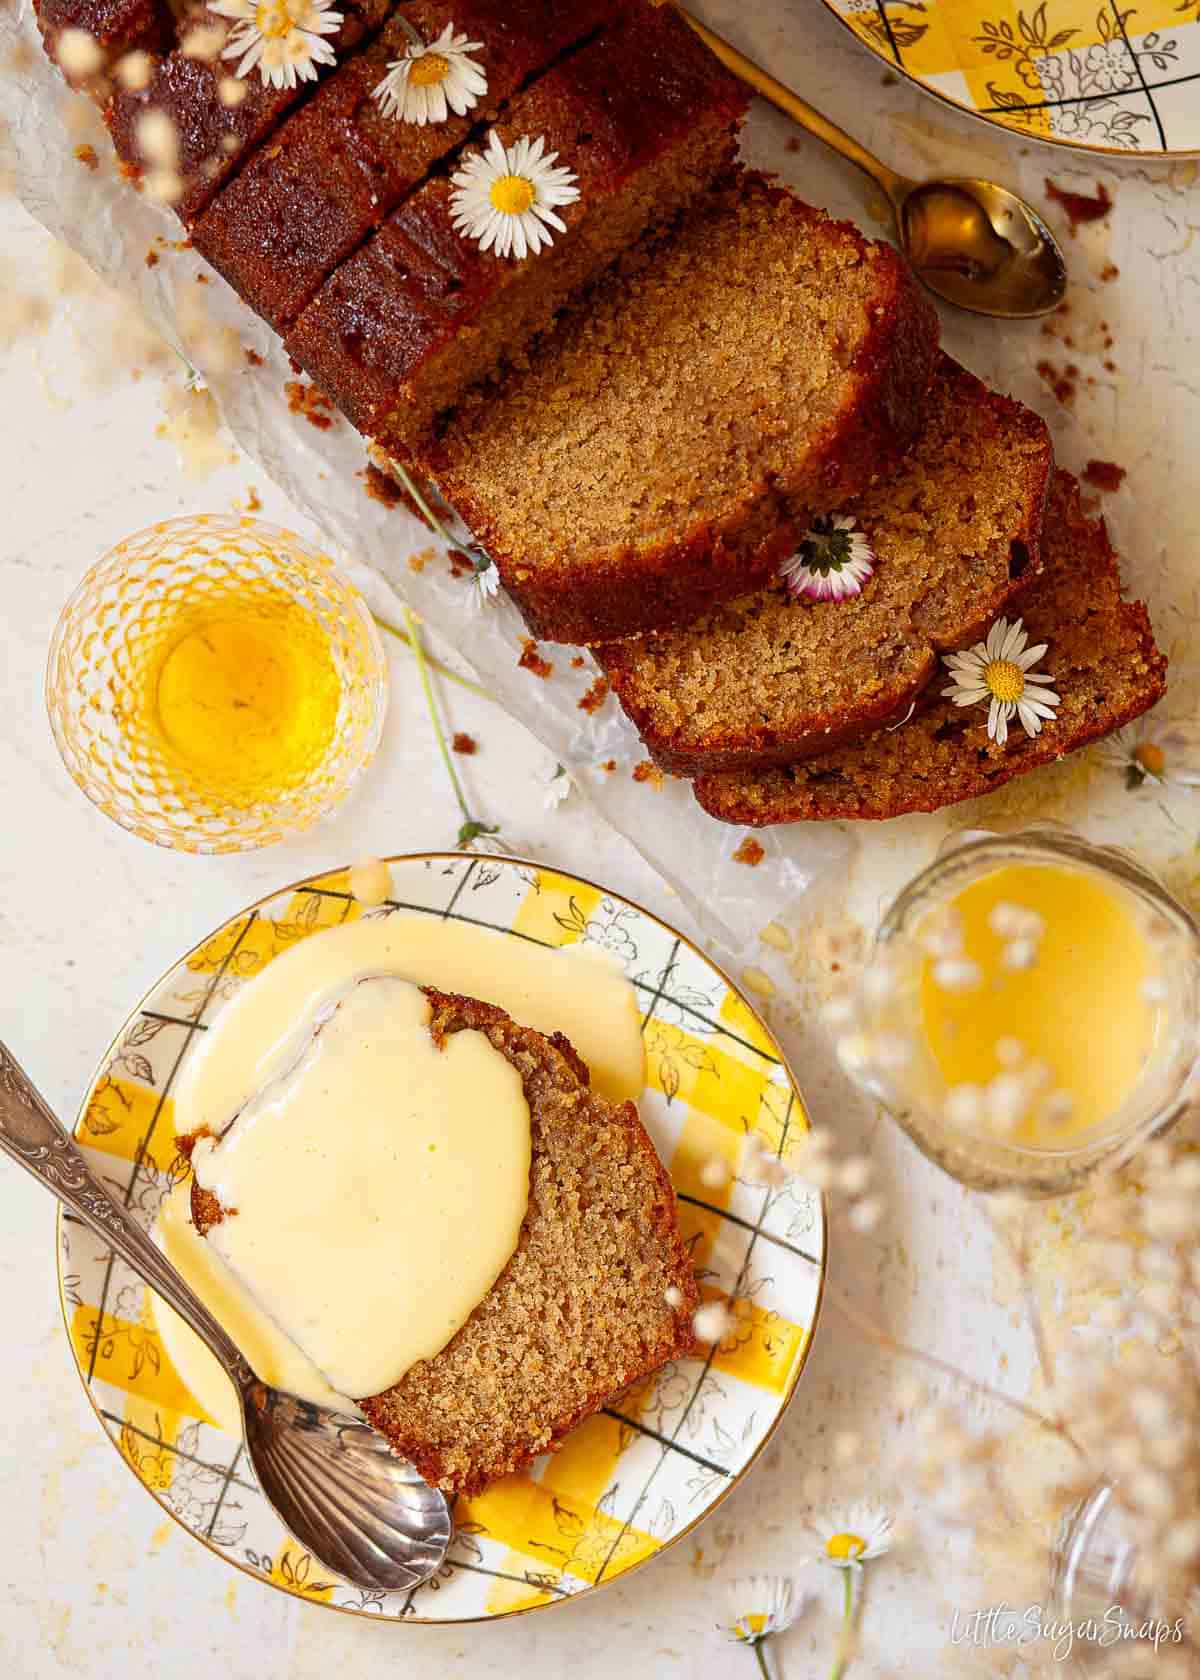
{"type": "Point", "coordinates": [99, 1584]}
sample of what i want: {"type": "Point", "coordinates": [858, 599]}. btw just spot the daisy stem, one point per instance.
{"type": "Point", "coordinates": [431, 519]}
{"type": "Point", "coordinates": [434, 664]}
{"type": "Point", "coordinates": [760, 1657]}
{"type": "Point", "coordinates": [839, 1662]}
{"type": "Point", "coordinates": [418, 648]}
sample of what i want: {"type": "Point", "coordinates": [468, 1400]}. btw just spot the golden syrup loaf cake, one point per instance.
{"type": "Point", "coordinates": [768, 678]}
{"type": "Point", "coordinates": [643, 115]}
{"type": "Point", "coordinates": [599, 1292]}
{"type": "Point", "coordinates": [661, 447]}
{"type": "Point", "coordinates": [336, 167]}
{"type": "Point", "coordinates": [1101, 655]}
{"type": "Point", "coordinates": [117, 27]}
{"type": "Point", "coordinates": [214, 136]}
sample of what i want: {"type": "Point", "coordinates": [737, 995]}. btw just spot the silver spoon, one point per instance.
{"type": "Point", "coordinates": [972, 242]}
{"type": "Point", "coordinates": [335, 1484]}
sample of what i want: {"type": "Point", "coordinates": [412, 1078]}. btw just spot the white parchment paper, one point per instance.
{"type": "Point", "coordinates": [112, 227]}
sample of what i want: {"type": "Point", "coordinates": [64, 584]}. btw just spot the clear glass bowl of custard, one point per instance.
{"type": "Point", "coordinates": [215, 684]}
{"type": "Point", "coordinates": [1032, 1010]}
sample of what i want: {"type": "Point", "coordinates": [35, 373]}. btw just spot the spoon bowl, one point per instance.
{"type": "Point", "coordinates": [973, 243]}
{"type": "Point", "coordinates": [336, 1485]}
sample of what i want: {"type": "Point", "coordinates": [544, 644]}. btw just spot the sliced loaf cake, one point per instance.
{"type": "Point", "coordinates": [643, 115]}
{"type": "Point", "coordinates": [1101, 655]}
{"type": "Point", "coordinates": [663, 445]}
{"type": "Point", "coordinates": [768, 679]}
{"type": "Point", "coordinates": [599, 1292]}
{"type": "Point", "coordinates": [336, 168]}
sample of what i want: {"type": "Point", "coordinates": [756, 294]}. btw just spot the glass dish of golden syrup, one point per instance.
{"type": "Point", "coordinates": [1031, 1011]}
{"type": "Point", "coordinates": [215, 684]}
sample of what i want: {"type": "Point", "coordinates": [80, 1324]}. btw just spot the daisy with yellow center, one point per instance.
{"type": "Point", "coordinates": [431, 81]}
{"type": "Point", "coordinates": [761, 1605]}
{"type": "Point", "coordinates": [997, 672]}
{"type": "Point", "coordinates": [1158, 755]}
{"type": "Point", "coordinates": [284, 38]}
{"type": "Point", "coordinates": [506, 197]}
{"type": "Point", "coordinates": [846, 1541]}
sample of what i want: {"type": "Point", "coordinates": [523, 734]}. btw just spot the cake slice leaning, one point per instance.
{"type": "Point", "coordinates": [1105, 667]}
{"type": "Point", "coordinates": [599, 1292]}
{"type": "Point", "coordinates": [661, 447]}
{"type": "Point", "coordinates": [767, 679]}
{"type": "Point", "coordinates": [642, 115]}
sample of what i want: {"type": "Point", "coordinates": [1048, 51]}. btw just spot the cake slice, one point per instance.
{"type": "Point", "coordinates": [666, 440]}
{"type": "Point", "coordinates": [116, 27]}
{"type": "Point", "coordinates": [768, 679]}
{"type": "Point", "coordinates": [643, 115]}
{"type": "Point", "coordinates": [339, 164]}
{"type": "Point", "coordinates": [215, 137]}
{"type": "Point", "coordinates": [1101, 655]}
{"type": "Point", "coordinates": [599, 1292]}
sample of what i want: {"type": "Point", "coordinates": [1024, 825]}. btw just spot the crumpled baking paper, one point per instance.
{"type": "Point", "coordinates": [113, 227]}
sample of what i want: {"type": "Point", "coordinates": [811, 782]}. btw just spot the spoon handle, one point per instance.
{"type": "Point", "coordinates": [798, 109]}
{"type": "Point", "coordinates": [33, 1137]}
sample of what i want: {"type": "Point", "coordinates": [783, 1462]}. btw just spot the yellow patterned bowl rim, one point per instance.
{"type": "Point", "coordinates": [573, 890]}
{"type": "Point", "coordinates": [926, 41]}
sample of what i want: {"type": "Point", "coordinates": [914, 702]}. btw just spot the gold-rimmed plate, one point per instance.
{"type": "Point", "coordinates": [1092, 74]}
{"type": "Point", "coordinates": [631, 1480]}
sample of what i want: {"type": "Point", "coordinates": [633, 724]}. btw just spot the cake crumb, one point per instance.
{"type": "Point", "coordinates": [311, 402]}
{"type": "Point", "coordinates": [609, 765]}
{"type": "Point", "coordinates": [253, 358]}
{"type": "Point", "coordinates": [578, 662]}
{"type": "Point", "coordinates": [750, 851]}
{"type": "Point", "coordinates": [87, 157]}
{"type": "Point", "coordinates": [1110, 271]}
{"type": "Point", "coordinates": [595, 697]}
{"type": "Point", "coordinates": [152, 259]}
{"type": "Point", "coordinates": [370, 882]}
{"type": "Point", "coordinates": [1080, 207]}
{"type": "Point", "coordinates": [757, 982]}
{"type": "Point", "coordinates": [777, 937]}
{"type": "Point", "coordinates": [1061, 383]}
{"type": "Point", "coordinates": [381, 486]}
{"type": "Point", "coordinates": [1104, 475]}
{"type": "Point", "coordinates": [647, 771]}
{"type": "Point", "coordinates": [792, 143]}
{"type": "Point", "coordinates": [531, 659]}
{"type": "Point", "coordinates": [465, 744]}
{"type": "Point", "coordinates": [461, 566]}
{"type": "Point", "coordinates": [417, 562]}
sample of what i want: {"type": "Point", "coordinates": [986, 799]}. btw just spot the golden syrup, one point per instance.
{"type": "Point", "coordinates": [242, 696]}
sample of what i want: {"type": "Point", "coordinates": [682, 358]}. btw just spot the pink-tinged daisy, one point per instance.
{"type": "Point", "coordinates": [997, 672]}
{"type": "Point", "coordinates": [832, 563]}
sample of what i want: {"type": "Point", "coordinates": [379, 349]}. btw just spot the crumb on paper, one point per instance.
{"type": "Point", "coordinates": [465, 744]}
{"type": "Point", "coordinates": [251, 502]}
{"type": "Point", "coordinates": [88, 157]}
{"type": "Point", "coordinates": [1109, 272]}
{"type": "Point", "coordinates": [310, 401]}
{"type": "Point", "coordinates": [381, 486]}
{"type": "Point", "coordinates": [1062, 382]}
{"type": "Point", "coordinates": [417, 562]}
{"type": "Point", "coordinates": [461, 565]}
{"type": "Point", "coordinates": [595, 697]}
{"type": "Point", "coordinates": [608, 766]}
{"type": "Point", "coordinates": [647, 771]}
{"type": "Point", "coordinates": [757, 982]}
{"type": "Point", "coordinates": [776, 936]}
{"type": "Point", "coordinates": [751, 851]}
{"type": "Point", "coordinates": [531, 659]}
{"type": "Point", "coordinates": [152, 258]}
{"type": "Point", "coordinates": [253, 359]}
{"type": "Point", "coordinates": [578, 662]}
{"type": "Point", "coordinates": [1080, 208]}
{"type": "Point", "coordinates": [792, 143]}
{"type": "Point", "coordinates": [1104, 475]}
{"type": "Point", "coordinates": [370, 881]}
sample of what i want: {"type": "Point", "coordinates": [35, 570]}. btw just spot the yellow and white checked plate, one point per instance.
{"type": "Point", "coordinates": [1089, 73]}
{"type": "Point", "coordinates": [629, 1481]}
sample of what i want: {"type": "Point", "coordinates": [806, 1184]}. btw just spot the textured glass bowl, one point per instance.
{"type": "Point", "coordinates": [115, 622]}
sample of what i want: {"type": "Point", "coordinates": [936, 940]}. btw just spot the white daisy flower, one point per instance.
{"type": "Point", "coordinates": [1151, 754]}
{"type": "Point", "coordinates": [832, 563]}
{"type": "Point", "coordinates": [998, 671]}
{"type": "Point", "coordinates": [284, 38]}
{"type": "Point", "coordinates": [506, 197]}
{"type": "Point", "coordinates": [487, 582]}
{"type": "Point", "coordinates": [431, 81]}
{"type": "Point", "coordinates": [848, 1539]}
{"type": "Point", "coordinates": [558, 788]}
{"type": "Point", "coordinates": [760, 1605]}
